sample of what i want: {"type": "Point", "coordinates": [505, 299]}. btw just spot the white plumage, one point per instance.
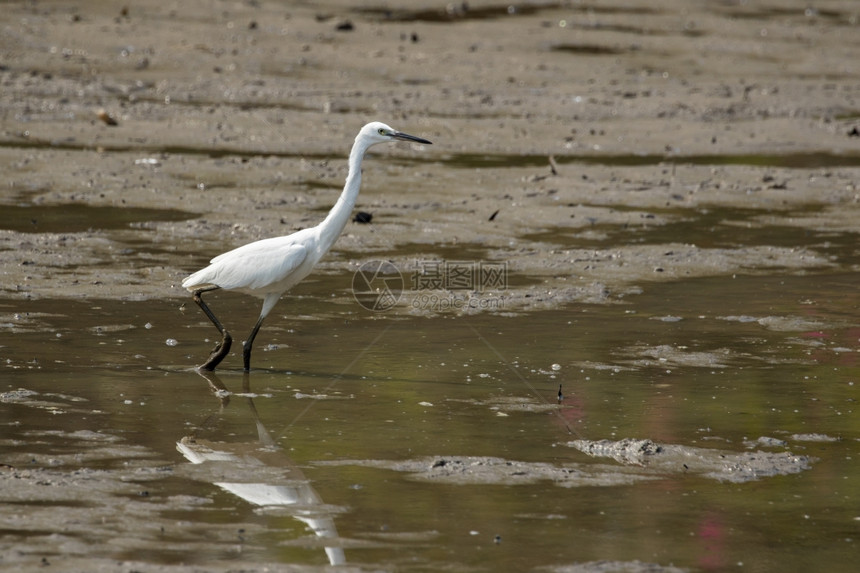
{"type": "Point", "coordinates": [270, 267]}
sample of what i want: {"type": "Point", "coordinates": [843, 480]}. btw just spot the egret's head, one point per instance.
{"type": "Point", "coordinates": [377, 132]}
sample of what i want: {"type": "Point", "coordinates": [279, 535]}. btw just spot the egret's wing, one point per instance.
{"type": "Point", "coordinates": [257, 265]}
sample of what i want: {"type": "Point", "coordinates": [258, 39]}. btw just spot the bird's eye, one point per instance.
{"type": "Point", "coordinates": [381, 131]}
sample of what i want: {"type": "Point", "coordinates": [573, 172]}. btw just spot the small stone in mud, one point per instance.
{"type": "Point", "coordinates": [363, 217]}
{"type": "Point", "coordinates": [107, 118]}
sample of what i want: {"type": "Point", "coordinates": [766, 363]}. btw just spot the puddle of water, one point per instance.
{"type": "Point", "coordinates": [587, 49]}
{"type": "Point", "coordinates": [342, 403]}
{"type": "Point", "coordinates": [707, 228]}
{"type": "Point", "coordinates": [834, 17]}
{"type": "Point", "coordinates": [817, 160]}
{"type": "Point", "coordinates": [452, 13]}
{"type": "Point", "coordinates": [813, 160]}
{"type": "Point", "coordinates": [79, 217]}
{"type": "Point", "coordinates": [455, 12]}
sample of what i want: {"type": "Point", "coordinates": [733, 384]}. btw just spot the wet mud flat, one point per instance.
{"type": "Point", "coordinates": [673, 193]}
{"type": "Point", "coordinates": [652, 459]}
{"type": "Point", "coordinates": [115, 500]}
{"type": "Point", "coordinates": [563, 160]}
{"type": "Point", "coordinates": [348, 461]}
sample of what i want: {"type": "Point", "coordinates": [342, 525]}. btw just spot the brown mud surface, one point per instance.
{"type": "Point", "coordinates": [596, 148]}
{"type": "Point", "coordinates": [645, 459]}
{"type": "Point", "coordinates": [565, 135]}
{"type": "Point", "coordinates": [66, 504]}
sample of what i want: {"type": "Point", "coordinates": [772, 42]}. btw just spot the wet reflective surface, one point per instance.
{"type": "Point", "coordinates": [75, 218]}
{"type": "Point", "coordinates": [371, 439]}
{"type": "Point", "coordinates": [667, 382]}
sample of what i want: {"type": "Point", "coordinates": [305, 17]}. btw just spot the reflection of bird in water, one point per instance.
{"type": "Point", "coordinates": [239, 467]}
{"type": "Point", "coordinates": [270, 267]}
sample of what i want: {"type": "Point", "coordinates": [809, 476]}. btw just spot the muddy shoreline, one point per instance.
{"type": "Point", "coordinates": [598, 150]}
{"type": "Point", "coordinates": [237, 124]}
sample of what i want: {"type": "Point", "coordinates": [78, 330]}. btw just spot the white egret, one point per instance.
{"type": "Point", "coordinates": [270, 267]}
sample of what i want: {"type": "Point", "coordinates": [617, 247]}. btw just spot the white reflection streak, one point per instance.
{"type": "Point", "coordinates": [248, 459]}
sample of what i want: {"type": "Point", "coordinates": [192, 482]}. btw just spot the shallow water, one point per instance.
{"type": "Point", "coordinates": [703, 424]}
{"type": "Point", "coordinates": [344, 405]}
{"type": "Point", "coordinates": [78, 217]}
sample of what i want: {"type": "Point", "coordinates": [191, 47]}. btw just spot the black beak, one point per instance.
{"type": "Point", "coordinates": [407, 137]}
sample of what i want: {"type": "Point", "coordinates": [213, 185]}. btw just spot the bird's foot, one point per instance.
{"type": "Point", "coordinates": [221, 350]}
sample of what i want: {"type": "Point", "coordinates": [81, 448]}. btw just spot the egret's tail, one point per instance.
{"type": "Point", "coordinates": [198, 279]}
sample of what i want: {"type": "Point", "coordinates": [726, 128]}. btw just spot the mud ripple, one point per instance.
{"type": "Point", "coordinates": [484, 470]}
{"type": "Point", "coordinates": [640, 459]}
{"type": "Point", "coordinates": [715, 464]}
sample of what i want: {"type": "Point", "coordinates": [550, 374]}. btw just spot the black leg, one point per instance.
{"type": "Point", "coordinates": [246, 346]}
{"type": "Point", "coordinates": [221, 348]}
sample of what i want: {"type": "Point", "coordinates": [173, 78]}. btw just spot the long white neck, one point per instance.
{"type": "Point", "coordinates": [338, 217]}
